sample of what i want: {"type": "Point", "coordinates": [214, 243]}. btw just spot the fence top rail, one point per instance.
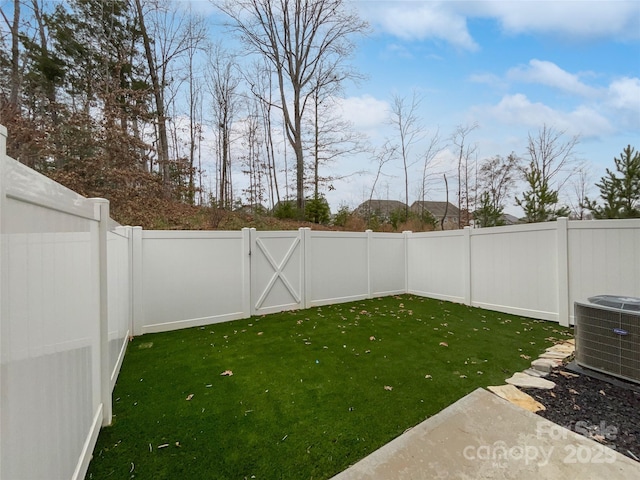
{"type": "Point", "coordinates": [336, 234]}
{"type": "Point", "coordinates": [436, 234]}
{"type": "Point", "coordinates": [191, 234]}
{"type": "Point", "coordinates": [632, 223]}
{"type": "Point", "coordinates": [525, 227]}
{"type": "Point", "coordinates": [25, 185]}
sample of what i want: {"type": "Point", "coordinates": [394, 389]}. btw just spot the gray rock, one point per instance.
{"type": "Point", "coordinates": [520, 379]}
{"type": "Point", "coordinates": [536, 373]}
{"type": "Point", "coordinates": [545, 364]}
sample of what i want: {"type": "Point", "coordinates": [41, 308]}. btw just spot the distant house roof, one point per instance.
{"type": "Point", "coordinates": [437, 209]}
{"type": "Point", "coordinates": [379, 207]}
{"type": "Point", "coordinates": [509, 219]}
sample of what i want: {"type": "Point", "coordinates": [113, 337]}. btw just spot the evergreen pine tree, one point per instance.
{"type": "Point", "coordinates": [620, 194]}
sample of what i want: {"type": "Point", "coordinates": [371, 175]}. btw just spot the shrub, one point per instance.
{"type": "Point", "coordinates": [317, 210]}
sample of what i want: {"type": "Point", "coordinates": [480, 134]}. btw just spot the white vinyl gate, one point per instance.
{"type": "Point", "coordinates": [277, 271]}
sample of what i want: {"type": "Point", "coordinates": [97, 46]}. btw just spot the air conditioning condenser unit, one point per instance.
{"type": "Point", "coordinates": [607, 332]}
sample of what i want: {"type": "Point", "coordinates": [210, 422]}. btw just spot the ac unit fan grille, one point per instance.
{"type": "Point", "coordinates": [608, 340]}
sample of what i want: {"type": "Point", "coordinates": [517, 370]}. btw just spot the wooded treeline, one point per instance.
{"type": "Point", "coordinates": [118, 99]}
{"type": "Point", "coordinates": [112, 98]}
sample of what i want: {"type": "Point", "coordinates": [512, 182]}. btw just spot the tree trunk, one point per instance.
{"type": "Point", "coordinates": [14, 96]}
{"type": "Point", "coordinates": [163, 142]}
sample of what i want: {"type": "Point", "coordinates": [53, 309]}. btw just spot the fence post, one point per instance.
{"type": "Point", "coordinates": [407, 234]}
{"type": "Point", "coordinates": [305, 261]}
{"type": "Point", "coordinates": [137, 298]}
{"type": "Point", "coordinates": [105, 375]}
{"type": "Point", "coordinates": [466, 259]}
{"type": "Point", "coordinates": [129, 234]}
{"type": "Point", "coordinates": [246, 271]}
{"type": "Point", "coordinates": [3, 141]}
{"type": "Point", "coordinates": [369, 233]}
{"type": "Point", "coordinates": [563, 271]}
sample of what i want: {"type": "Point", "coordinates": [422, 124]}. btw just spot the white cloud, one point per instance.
{"type": "Point", "coordinates": [420, 21]}
{"type": "Point", "coordinates": [551, 75]}
{"type": "Point", "coordinates": [583, 19]}
{"type": "Point", "coordinates": [365, 112]}
{"type": "Point", "coordinates": [623, 98]}
{"type": "Point", "coordinates": [624, 93]}
{"type": "Point", "coordinates": [447, 21]}
{"type": "Point", "coordinates": [517, 109]}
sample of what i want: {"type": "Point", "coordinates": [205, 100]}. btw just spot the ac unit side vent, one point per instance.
{"type": "Point", "coordinates": [608, 340]}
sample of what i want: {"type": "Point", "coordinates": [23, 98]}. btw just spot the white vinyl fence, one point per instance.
{"type": "Point", "coordinates": [59, 348]}
{"type": "Point", "coordinates": [537, 270]}
{"type": "Point", "coordinates": [74, 286]}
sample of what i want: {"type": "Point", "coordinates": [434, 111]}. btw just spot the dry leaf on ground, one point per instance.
{"type": "Point", "coordinates": [444, 344]}
{"type": "Point", "coordinates": [388, 387]}
{"type": "Point", "coordinates": [226, 373]}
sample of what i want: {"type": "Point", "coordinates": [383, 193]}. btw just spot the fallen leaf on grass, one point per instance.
{"type": "Point", "coordinates": [428, 376]}
{"type": "Point", "coordinates": [372, 338]}
{"type": "Point", "coordinates": [164, 445]}
{"type": "Point", "coordinates": [226, 373]}
{"type": "Point", "coordinates": [526, 357]}
{"type": "Point", "coordinates": [444, 344]}
{"type": "Point", "coordinates": [388, 387]}
{"type": "Point", "coordinates": [190, 396]}
{"type": "Point", "coordinates": [260, 333]}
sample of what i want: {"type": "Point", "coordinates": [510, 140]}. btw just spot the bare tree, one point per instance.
{"type": "Point", "coordinates": [224, 82]}
{"type": "Point", "coordinates": [382, 156]}
{"type": "Point", "coordinates": [496, 179]}
{"type": "Point", "coordinates": [446, 204]}
{"type": "Point", "coordinates": [333, 137]}
{"type": "Point", "coordinates": [433, 148]}
{"type": "Point", "coordinates": [296, 37]}
{"type": "Point", "coordinates": [497, 176]}
{"type": "Point", "coordinates": [551, 163]}
{"type": "Point", "coordinates": [465, 152]}
{"type": "Point", "coordinates": [195, 30]}
{"type": "Point", "coordinates": [260, 77]}
{"type": "Point", "coordinates": [580, 182]}
{"type": "Point", "coordinates": [158, 95]}
{"type": "Point", "coordinates": [404, 118]}
{"type": "Point", "coordinates": [14, 30]}
{"type": "Point", "coordinates": [553, 156]}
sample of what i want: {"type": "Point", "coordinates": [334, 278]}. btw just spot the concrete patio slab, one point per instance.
{"type": "Point", "coordinates": [482, 436]}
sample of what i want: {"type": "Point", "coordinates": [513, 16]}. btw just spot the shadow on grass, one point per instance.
{"type": "Point", "coordinates": [312, 391]}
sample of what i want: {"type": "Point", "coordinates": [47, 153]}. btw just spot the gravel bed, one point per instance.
{"type": "Point", "coordinates": [594, 408]}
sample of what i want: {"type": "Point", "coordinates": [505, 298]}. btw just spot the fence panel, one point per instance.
{"type": "Point", "coordinates": [604, 258]}
{"type": "Point", "coordinates": [388, 264]}
{"type": "Point", "coordinates": [437, 265]}
{"type": "Point", "coordinates": [277, 271]}
{"type": "Point", "coordinates": [50, 347]}
{"type": "Point", "coordinates": [515, 270]}
{"type": "Point", "coordinates": [192, 278]}
{"type": "Point", "coordinates": [337, 267]}
{"type": "Point", "coordinates": [119, 292]}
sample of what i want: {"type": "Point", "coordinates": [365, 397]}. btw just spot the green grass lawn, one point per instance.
{"type": "Point", "coordinates": [312, 391]}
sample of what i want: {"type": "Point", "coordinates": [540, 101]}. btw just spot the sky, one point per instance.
{"type": "Point", "coordinates": [508, 67]}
